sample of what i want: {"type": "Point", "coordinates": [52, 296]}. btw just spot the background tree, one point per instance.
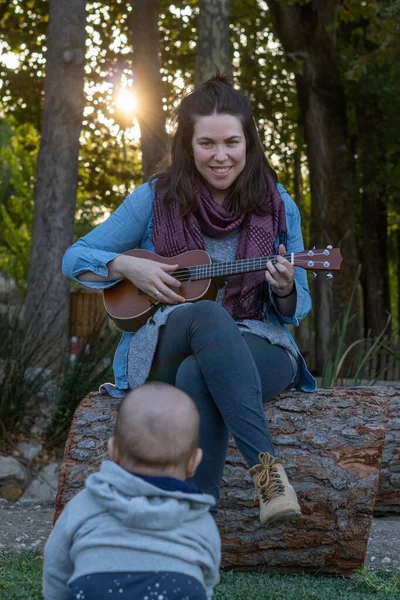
{"type": "Point", "coordinates": [213, 44]}
{"type": "Point", "coordinates": [47, 306]}
{"type": "Point", "coordinates": [307, 32]}
{"type": "Point", "coordinates": [146, 67]}
{"type": "Point", "coordinates": [369, 43]}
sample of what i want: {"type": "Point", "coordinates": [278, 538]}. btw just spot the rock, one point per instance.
{"type": "Point", "coordinates": [30, 450]}
{"type": "Point", "coordinates": [331, 444]}
{"type": "Point", "coordinates": [53, 394]}
{"type": "Point", "coordinates": [11, 471]}
{"type": "Point", "coordinates": [39, 427]}
{"type": "Point", "coordinates": [11, 493]}
{"type": "Point", "coordinates": [37, 374]}
{"type": "Point", "coordinates": [44, 488]}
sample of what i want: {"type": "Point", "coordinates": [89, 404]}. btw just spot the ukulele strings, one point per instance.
{"type": "Point", "coordinates": [209, 271]}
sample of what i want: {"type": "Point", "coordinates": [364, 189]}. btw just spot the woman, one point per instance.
{"type": "Point", "coordinates": [219, 193]}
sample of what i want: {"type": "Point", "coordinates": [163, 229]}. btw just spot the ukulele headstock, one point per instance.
{"type": "Point", "coordinates": [326, 259]}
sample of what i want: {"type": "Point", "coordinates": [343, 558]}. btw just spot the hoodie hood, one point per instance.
{"type": "Point", "coordinates": [140, 504]}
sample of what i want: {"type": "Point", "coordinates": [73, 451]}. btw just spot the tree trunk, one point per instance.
{"type": "Point", "coordinates": [374, 220]}
{"type": "Point", "coordinates": [47, 306]}
{"type": "Point", "coordinates": [398, 273]}
{"type": "Point", "coordinates": [303, 334]}
{"type": "Point", "coordinates": [213, 46]}
{"type": "Point", "coordinates": [146, 63]}
{"type": "Point", "coordinates": [307, 33]}
{"type": "Point", "coordinates": [331, 444]}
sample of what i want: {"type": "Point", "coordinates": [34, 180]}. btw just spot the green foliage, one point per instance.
{"type": "Point", "coordinates": [21, 576]}
{"type": "Point", "coordinates": [18, 153]}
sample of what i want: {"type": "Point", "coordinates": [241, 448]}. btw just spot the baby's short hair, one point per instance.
{"type": "Point", "coordinates": [158, 426]}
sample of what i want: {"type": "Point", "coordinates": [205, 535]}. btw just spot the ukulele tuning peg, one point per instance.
{"type": "Point", "coordinates": [314, 275]}
{"type": "Point", "coordinates": [329, 247]}
{"type": "Point", "coordinates": [329, 276]}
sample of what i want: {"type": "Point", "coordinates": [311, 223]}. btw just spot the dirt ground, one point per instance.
{"type": "Point", "coordinates": [26, 527]}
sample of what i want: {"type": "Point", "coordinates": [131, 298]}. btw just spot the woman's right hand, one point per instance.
{"type": "Point", "coordinates": [149, 276]}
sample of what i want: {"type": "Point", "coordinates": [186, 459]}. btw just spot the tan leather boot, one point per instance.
{"type": "Point", "coordinates": [278, 500]}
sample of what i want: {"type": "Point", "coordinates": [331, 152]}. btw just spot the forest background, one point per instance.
{"type": "Point", "coordinates": [87, 94]}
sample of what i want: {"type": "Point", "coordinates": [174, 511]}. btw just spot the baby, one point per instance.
{"type": "Point", "coordinates": [139, 530]}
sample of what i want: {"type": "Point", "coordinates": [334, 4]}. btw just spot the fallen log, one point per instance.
{"type": "Point", "coordinates": [331, 443]}
{"type": "Point", "coordinates": [388, 496]}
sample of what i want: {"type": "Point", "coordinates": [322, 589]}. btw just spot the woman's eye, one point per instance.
{"type": "Point", "coordinates": [205, 144]}
{"type": "Point", "coordinates": [233, 143]}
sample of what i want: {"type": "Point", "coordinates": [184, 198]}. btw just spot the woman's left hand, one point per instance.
{"type": "Point", "coordinates": [281, 275]}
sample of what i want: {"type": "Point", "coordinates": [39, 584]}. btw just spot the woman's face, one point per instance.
{"type": "Point", "coordinates": [219, 151]}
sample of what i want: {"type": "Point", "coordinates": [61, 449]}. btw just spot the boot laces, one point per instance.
{"type": "Point", "coordinates": [268, 480]}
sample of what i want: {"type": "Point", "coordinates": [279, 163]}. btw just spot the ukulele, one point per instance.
{"type": "Point", "coordinates": [130, 308]}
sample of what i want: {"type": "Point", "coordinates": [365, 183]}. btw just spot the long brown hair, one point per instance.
{"type": "Point", "coordinates": [251, 191]}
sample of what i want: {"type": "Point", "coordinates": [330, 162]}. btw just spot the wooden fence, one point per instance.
{"type": "Point", "coordinates": [87, 315]}
{"type": "Point", "coordinates": [373, 361]}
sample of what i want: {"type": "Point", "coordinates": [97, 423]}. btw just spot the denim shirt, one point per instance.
{"type": "Point", "coordinates": [131, 226]}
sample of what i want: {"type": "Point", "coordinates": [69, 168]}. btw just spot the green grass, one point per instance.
{"type": "Point", "coordinates": [20, 578]}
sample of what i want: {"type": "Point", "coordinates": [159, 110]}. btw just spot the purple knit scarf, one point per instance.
{"type": "Point", "coordinates": [173, 235]}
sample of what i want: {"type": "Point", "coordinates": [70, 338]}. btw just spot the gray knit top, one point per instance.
{"type": "Point", "coordinates": [144, 343]}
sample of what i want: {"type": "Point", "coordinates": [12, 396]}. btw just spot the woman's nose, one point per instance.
{"type": "Point", "coordinates": [220, 154]}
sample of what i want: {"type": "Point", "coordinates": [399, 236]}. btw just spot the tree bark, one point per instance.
{"type": "Point", "coordinates": [331, 444]}
{"type": "Point", "coordinates": [388, 497]}
{"type": "Point", "coordinates": [398, 272]}
{"type": "Point", "coordinates": [47, 306]}
{"type": "Point", "coordinates": [303, 333]}
{"type": "Point", "coordinates": [146, 63]}
{"type": "Point", "coordinates": [213, 46]}
{"type": "Point", "coordinates": [307, 33]}
{"type": "Point", "coordinates": [375, 264]}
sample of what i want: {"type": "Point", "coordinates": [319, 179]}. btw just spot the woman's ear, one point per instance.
{"type": "Point", "coordinates": [112, 448]}
{"type": "Point", "coordinates": [194, 461]}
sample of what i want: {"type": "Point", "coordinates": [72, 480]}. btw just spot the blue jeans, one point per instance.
{"type": "Point", "coordinates": [229, 374]}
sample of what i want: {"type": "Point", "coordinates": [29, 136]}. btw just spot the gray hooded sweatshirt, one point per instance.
{"type": "Point", "coordinates": [122, 523]}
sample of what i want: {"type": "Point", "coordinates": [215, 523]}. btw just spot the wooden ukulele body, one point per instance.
{"type": "Point", "coordinates": [130, 308]}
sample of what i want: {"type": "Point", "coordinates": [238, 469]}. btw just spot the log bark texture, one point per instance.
{"type": "Point", "coordinates": [388, 497]}
{"type": "Point", "coordinates": [331, 443]}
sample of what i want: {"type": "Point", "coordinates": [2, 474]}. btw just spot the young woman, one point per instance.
{"type": "Point", "coordinates": [218, 193]}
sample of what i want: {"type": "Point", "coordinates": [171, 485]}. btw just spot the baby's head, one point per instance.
{"type": "Point", "coordinates": [157, 432]}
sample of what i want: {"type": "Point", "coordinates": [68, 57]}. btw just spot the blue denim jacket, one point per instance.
{"type": "Point", "coordinates": [131, 226]}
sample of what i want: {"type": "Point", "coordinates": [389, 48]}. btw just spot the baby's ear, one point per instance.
{"type": "Point", "coordinates": [194, 461]}
{"type": "Point", "coordinates": [113, 450]}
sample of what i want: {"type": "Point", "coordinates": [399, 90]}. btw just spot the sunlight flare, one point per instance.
{"type": "Point", "coordinates": [126, 101]}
